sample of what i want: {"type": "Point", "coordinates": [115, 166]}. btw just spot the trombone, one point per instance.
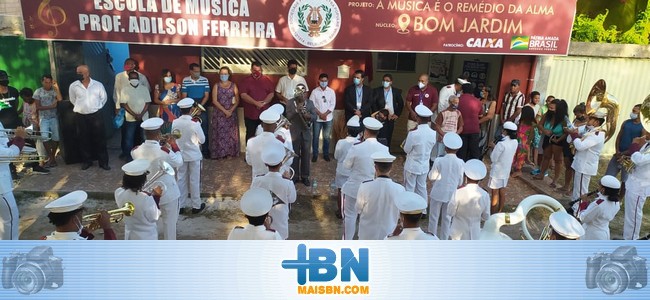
{"type": "Point", "coordinates": [31, 134]}
{"type": "Point", "coordinates": [92, 220]}
{"type": "Point", "coordinates": [27, 155]}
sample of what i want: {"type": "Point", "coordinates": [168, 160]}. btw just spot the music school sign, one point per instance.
{"type": "Point", "coordinates": [527, 27]}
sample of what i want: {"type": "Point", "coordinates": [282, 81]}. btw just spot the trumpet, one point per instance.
{"type": "Point", "coordinates": [288, 154]}
{"type": "Point", "coordinates": [27, 155]}
{"type": "Point", "coordinates": [176, 134]}
{"type": "Point", "coordinates": [164, 168]}
{"type": "Point", "coordinates": [31, 134]}
{"type": "Point", "coordinates": [196, 111]}
{"type": "Point", "coordinates": [92, 220]}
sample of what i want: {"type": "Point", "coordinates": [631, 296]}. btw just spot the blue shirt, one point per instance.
{"type": "Point", "coordinates": [195, 89]}
{"type": "Point", "coordinates": [630, 131]}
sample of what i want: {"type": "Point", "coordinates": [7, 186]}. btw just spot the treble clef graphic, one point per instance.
{"type": "Point", "coordinates": [52, 16]}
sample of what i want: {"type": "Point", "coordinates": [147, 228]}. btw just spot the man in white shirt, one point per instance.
{"type": "Point", "coordinates": [376, 200]}
{"type": "Point", "coordinates": [324, 99]}
{"type": "Point", "coordinates": [410, 206]}
{"type": "Point", "coordinates": [88, 96]}
{"type": "Point", "coordinates": [588, 148]}
{"type": "Point", "coordinates": [387, 99]}
{"type": "Point", "coordinates": [122, 80]}
{"type": "Point", "coordinates": [255, 146]}
{"type": "Point", "coordinates": [189, 174]}
{"type": "Point", "coordinates": [470, 205]}
{"type": "Point", "coordinates": [283, 191]}
{"type": "Point", "coordinates": [637, 188]}
{"type": "Point", "coordinates": [255, 204]}
{"type": "Point", "coordinates": [501, 157]}
{"type": "Point", "coordinates": [418, 145]}
{"type": "Point", "coordinates": [447, 175]}
{"type": "Point", "coordinates": [287, 84]}
{"type": "Point", "coordinates": [134, 99]}
{"type": "Point", "coordinates": [341, 150]}
{"type": "Point", "coordinates": [447, 91]}
{"type": "Point", "coordinates": [361, 168]}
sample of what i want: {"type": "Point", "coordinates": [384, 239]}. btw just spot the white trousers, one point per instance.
{"type": "Point", "coordinates": [634, 202]}
{"type": "Point", "coordinates": [416, 183]}
{"type": "Point", "coordinates": [580, 185]}
{"type": "Point", "coordinates": [189, 179]}
{"type": "Point", "coordinates": [8, 217]}
{"type": "Point", "coordinates": [438, 211]}
{"type": "Point", "coordinates": [168, 219]}
{"type": "Point", "coordinates": [349, 216]}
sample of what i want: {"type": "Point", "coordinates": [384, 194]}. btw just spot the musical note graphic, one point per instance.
{"type": "Point", "coordinates": [52, 16]}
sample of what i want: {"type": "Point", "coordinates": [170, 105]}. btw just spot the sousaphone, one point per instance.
{"type": "Point", "coordinates": [599, 98]}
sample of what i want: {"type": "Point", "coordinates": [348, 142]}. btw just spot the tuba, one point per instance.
{"type": "Point", "coordinates": [491, 228]}
{"type": "Point", "coordinates": [164, 169]}
{"type": "Point", "coordinates": [625, 160]}
{"type": "Point", "coordinates": [92, 220]}
{"type": "Point", "coordinates": [599, 98]}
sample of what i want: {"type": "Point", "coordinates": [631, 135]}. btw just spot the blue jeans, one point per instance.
{"type": "Point", "coordinates": [327, 132]}
{"type": "Point", "coordinates": [131, 136]}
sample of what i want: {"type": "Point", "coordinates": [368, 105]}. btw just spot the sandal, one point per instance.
{"type": "Point", "coordinates": [553, 185]}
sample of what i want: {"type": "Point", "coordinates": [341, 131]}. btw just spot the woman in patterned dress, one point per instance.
{"type": "Point", "coordinates": [224, 127]}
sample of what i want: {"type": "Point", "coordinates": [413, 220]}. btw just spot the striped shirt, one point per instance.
{"type": "Point", "coordinates": [511, 104]}
{"type": "Point", "coordinates": [195, 89]}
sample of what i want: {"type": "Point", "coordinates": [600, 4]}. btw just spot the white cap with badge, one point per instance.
{"type": "Point", "coordinates": [152, 124]}
{"type": "Point", "coordinates": [269, 116]}
{"type": "Point", "coordinates": [410, 203]}
{"type": "Point", "coordinates": [136, 167]}
{"type": "Point", "coordinates": [462, 81]}
{"type": "Point", "coordinates": [186, 103]}
{"type": "Point", "coordinates": [452, 141]}
{"type": "Point", "coordinates": [273, 154]}
{"type": "Point", "coordinates": [382, 157]}
{"type": "Point", "coordinates": [67, 203]}
{"type": "Point", "coordinates": [372, 124]}
{"type": "Point", "coordinates": [423, 111]}
{"type": "Point", "coordinates": [277, 108]}
{"type": "Point", "coordinates": [566, 225]}
{"type": "Point", "coordinates": [475, 169]}
{"type": "Point", "coordinates": [510, 126]}
{"type": "Point", "coordinates": [610, 181]}
{"type": "Point", "coordinates": [354, 122]}
{"type": "Point", "coordinates": [256, 202]}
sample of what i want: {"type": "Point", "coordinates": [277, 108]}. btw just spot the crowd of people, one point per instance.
{"type": "Point", "coordinates": [449, 135]}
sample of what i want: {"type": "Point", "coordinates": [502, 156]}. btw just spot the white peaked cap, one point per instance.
{"type": "Point", "coordinates": [452, 141]}
{"type": "Point", "coordinates": [382, 156]}
{"type": "Point", "coordinates": [256, 202]}
{"type": "Point", "coordinates": [269, 116]}
{"type": "Point", "coordinates": [354, 121]}
{"type": "Point", "coordinates": [510, 126]}
{"type": "Point", "coordinates": [410, 203]}
{"type": "Point", "coordinates": [136, 167]}
{"type": "Point", "coordinates": [152, 124]}
{"type": "Point", "coordinates": [610, 182]}
{"type": "Point", "coordinates": [372, 124]}
{"type": "Point", "coordinates": [186, 103]}
{"type": "Point", "coordinates": [475, 169]}
{"type": "Point", "coordinates": [68, 202]}
{"type": "Point", "coordinates": [566, 225]}
{"type": "Point", "coordinates": [423, 111]}
{"type": "Point", "coordinates": [273, 154]}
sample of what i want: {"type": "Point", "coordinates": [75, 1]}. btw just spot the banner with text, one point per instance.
{"type": "Point", "coordinates": [467, 26]}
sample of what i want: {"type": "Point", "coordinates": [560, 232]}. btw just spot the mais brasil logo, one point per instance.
{"type": "Point", "coordinates": [519, 42]}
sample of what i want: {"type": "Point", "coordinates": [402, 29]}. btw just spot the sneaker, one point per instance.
{"type": "Point", "coordinates": [40, 170]}
{"type": "Point", "coordinates": [536, 172]}
{"type": "Point", "coordinates": [198, 210]}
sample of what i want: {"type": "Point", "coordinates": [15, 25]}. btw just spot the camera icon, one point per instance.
{"type": "Point", "coordinates": [614, 273]}
{"type": "Point", "coordinates": [30, 272]}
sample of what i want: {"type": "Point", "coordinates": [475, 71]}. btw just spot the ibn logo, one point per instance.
{"type": "Point", "coordinates": [321, 264]}
{"type": "Point", "coordinates": [519, 42]}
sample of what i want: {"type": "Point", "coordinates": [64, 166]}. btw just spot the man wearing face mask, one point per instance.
{"type": "Point", "coordinates": [256, 92]}
{"type": "Point", "coordinates": [135, 99]}
{"type": "Point", "coordinates": [301, 113]}
{"type": "Point", "coordinates": [448, 91]}
{"type": "Point", "coordinates": [66, 214]}
{"type": "Point", "coordinates": [324, 99]}
{"type": "Point", "coordinates": [287, 84]}
{"type": "Point", "coordinates": [197, 87]}
{"type": "Point", "coordinates": [630, 129]}
{"type": "Point", "coordinates": [422, 93]}
{"type": "Point", "coordinates": [389, 98]}
{"type": "Point", "coordinates": [122, 81]}
{"type": "Point", "coordinates": [357, 97]}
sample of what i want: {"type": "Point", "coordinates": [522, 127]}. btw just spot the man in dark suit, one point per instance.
{"type": "Point", "coordinates": [357, 97]}
{"type": "Point", "coordinates": [387, 98]}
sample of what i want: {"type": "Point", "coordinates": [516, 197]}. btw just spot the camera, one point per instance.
{"type": "Point", "coordinates": [30, 272]}
{"type": "Point", "coordinates": [614, 273]}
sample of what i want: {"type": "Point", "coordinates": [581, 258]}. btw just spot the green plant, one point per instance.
{"type": "Point", "coordinates": [586, 29]}
{"type": "Point", "coordinates": [639, 33]}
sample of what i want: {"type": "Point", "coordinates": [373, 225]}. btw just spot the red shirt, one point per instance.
{"type": "Point", "coordinates": [470, 108]}
{"type": "Point", "coordinates": [257, 89]}
{"type": "Point", "coordinates": [427, 97]}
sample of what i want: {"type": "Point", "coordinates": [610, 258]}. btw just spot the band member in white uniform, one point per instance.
{"type": "Point", "coordinates": [152, 151]}
{"type": "Point", "coordinates": [255, 204]}
{"type": "Point", "coordinates": [8, 207]}
{"type": "Point", "coordinates": [340, 153]}
{"type": "Point", "coordinates": [282, 133]}
{"type": "Point", "coordinates": [637, 188]}
{"type": "Point", "coordinates": [411, 206]}
{"type": "Point", "coordinates": [361, 168]}
{"type": "Point", "coordinates": [66, 214]}
{"type": "Point", "coordinates": [189, 174]}
{"type": "Point", "coordinates": [502, 155]}
{"type": "Point", "coordinates": [471, 204]}
{"type": "Point", "coordinates": [447, 175]}
{"type": "Point", "coordinates": [256, 145]}
{"type": "Point", "coordinates": [142, 224]}
{"type": "Point", "coordinates": [282, 189]}
{"type": "Point", "coordinates": [588, 148]}
{"type": "Point", "coordinates": [565, 227]}
{"type": "Point", "coordinates": [376, 200]}
{"type": "Point", "coordinates": [418, 145]}
{"type": "Point", "coordinates": [595, 219]}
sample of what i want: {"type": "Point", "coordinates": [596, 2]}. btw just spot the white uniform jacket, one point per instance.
{"type": "Point", "coordinates": [447, 175]}
{"type": "Point", "coordinates": [640, 177]}
{"type": "Point", "coordinates": [376, 207]}
{"type": "Point", "coordinates": [470, 205]}
{"type": "Point", "coordinates": [417, 146]}
{"type": "Point", "coordinates": [412, 234]}
{"type": "Point", "coordinates": [340, 153]}
{"type": "Point", "coordinates": [284, 193]}
{"type": "Point", "coordinates": [360, 165]}
{"type": "Point", "coordinates": [64, 236]}
{"type": "Point", "coordinates": [502, 156]}
{"type": "Point", "coordinates": [153, 152]}
{"type": "Point", "coordinates": [250, 232]}
{"type": "Point", "coordinates": [8, 152]}
{"type": "Point", "coordinates": [595, 219]}
{"type": "Point", "coordinates": [588, 152]}
{"type": "Point", "coordinates": [142, 224]}
{"type": "Point", "coordinates": [191, 138]}
{"type": "Point", "coordinates": [254, 148]}
{"type": "Point", "coordinates": [443, 97]}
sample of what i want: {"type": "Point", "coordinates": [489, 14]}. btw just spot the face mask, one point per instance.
{"type": "Point", "coordinates": [454, 106]}
{"type": "Point", "coordinates": [633, 116]}
{"type": "Point", "coordinates": [256, 74]}
{"type": "Point", "coordinates": [357, 81]}
{"type": "Point", "coordinates": [386, 84]}
{"type": "Point", "coordinates": [134, 82]}
{"type": "Point", "coordinates": [168, 79]}
{"type": "Point", "coordinates": [224, 77]}
{"type": "Point", "coordinates": [80, 226]}
{"type": "Point", "coordinates": [421, 85]}
{"type": "Point", "coordinates": [293, 71]}
{"type": "Point", "coordinates": [580, 118]}
{"type": "Point", "coordinates": [323, 84]}
{"type": "Point", "coordinates": [482, 94]}
{"type": "Point", "coordinates": [4, 82]}
{"type": "Point", "coordinates": [80, 77]}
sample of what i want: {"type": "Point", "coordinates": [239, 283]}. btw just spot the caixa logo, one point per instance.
{"type": "Point", "coordinates": [321, 267]}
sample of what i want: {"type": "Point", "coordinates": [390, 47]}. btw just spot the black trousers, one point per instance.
{"type": "Point", "coordinates": [251, 126]}
{"type": "Point", "coordinates": [386, 132]}
{"type": "Point", "coordinates": [91, 137]}
{"type": "Point", "coordinates": [470, 148]}
{"type": "Point", "coordinates": [302, 147]}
